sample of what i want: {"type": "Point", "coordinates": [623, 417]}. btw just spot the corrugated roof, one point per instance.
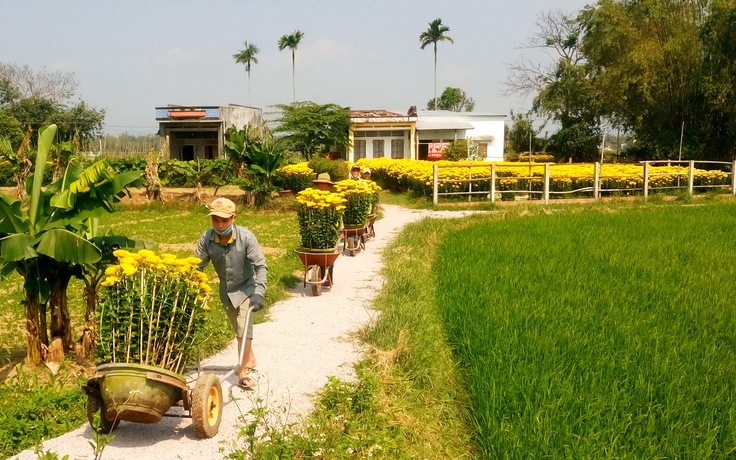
{"type": "Point", "coordinates": [374, 114]}
{"type": "Point", "coordinates": [440, 125]}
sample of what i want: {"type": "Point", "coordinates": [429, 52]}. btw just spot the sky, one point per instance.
{"type": "Point", "coordinates": [131, 56]}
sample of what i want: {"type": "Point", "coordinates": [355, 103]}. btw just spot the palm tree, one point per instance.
{"type": "Point", "coordinates": [291, 42]}
{"type": "Point", "coordinates": [247, 56]}
{"type": "Point", "coordinates": [434, 34]}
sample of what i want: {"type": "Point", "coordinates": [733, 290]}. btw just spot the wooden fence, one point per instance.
{"type": "Point", "coordinates": [647, 176]}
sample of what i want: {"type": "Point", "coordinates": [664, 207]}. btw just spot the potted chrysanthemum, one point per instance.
{"type": "Point", "coordinates": [320, 216]}
{"type": "Point", "coordinates": [358, 194]}
{"type": "Point", "coordinates": [151, 309]}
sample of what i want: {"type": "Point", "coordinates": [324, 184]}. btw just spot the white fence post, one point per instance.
{"type": "Point", "coordinates": [596, 181]}
{"type": "Point", "coordinates": [691, 177]}
{"type": "Point", "coordinates": [493, 183]}
{"type": "Point", "coordinates": [733, 178]}
{"type": "Point", "coordinates": [435, 185]}
{"type": "Point", "coordinates": [546, 183]}
{"type": "Point", "coordinates": [646, 180]}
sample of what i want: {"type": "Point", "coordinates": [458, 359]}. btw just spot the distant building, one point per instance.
{"type": "Point", "coordinates": [198, 132]}
{"type": "Point", "coordinates": [381, 134]}
{"type": "Point", "coordinates": [437, 128]}
{"type": "Point", "coordinates": [422, 135]}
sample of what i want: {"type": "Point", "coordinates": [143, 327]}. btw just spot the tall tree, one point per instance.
{"type": "Point", "coordinates": [247, 56]}
{"type": "Point", "coordinates": [453, 99]}
{"type": "Point", "coordinates": [292, 42]}
{"type": "Point", "coordinates": [670, 64]}
{"type": "Point", "coordinates": [434, 34]}
{"type": "Point", "coordinates": [312, 128]}
{"type": "Point", "coordinates": [563, 86]}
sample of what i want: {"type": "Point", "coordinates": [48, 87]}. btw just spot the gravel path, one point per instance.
{"type": "Point", "coordinates": [306, 340]}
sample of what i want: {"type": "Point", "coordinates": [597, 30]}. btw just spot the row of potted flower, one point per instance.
{"type": "Point", "coordinates": [322, 214]}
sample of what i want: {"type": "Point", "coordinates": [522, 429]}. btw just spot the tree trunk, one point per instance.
{"type": "Point", "coordinates": [61, 322]}
{"type": "Point", "coordinates": [86, 343]}
{"type": "Point", "coordinates": [35, 345]}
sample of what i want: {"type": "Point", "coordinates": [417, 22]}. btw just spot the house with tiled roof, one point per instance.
{"type": "Point", "coordinates": [422, 135]}
{"type": "Point", "coordinates": [381, 134]}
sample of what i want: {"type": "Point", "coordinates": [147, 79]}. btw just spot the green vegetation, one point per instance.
{"type": "Point", "coordinates": [584, 331]}
{"type": "Point", "coordinates": [606, 333]}
{"type": "Point", "coordinates": [176, 228]}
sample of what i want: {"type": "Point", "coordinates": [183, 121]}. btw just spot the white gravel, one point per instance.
{"type": "Point", "coordinates": [306, 340]}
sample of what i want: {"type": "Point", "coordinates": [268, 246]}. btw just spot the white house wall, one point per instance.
{"type": "Point", "coordinates": [490, 132]}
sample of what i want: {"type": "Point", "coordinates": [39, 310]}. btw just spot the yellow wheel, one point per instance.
{"type": "Point", "coordinates": [207, 405]}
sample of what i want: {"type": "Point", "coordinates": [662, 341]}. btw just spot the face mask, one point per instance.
{"type": "Point", "coordinates": [226, 232]}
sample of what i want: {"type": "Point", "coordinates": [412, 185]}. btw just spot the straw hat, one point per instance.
{"type": "Point", "coordinates": [323, 178]}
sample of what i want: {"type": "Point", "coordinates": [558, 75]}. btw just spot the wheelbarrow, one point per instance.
{"type": "Point", "coordinates": [318, 267]}
{"type": "Point", "coordinates": [144, 394]}
{"type": "Point", "coordinates": [353, 234]}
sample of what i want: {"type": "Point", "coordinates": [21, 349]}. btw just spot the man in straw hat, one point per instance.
{"type": "Point", "coordinates": [323, 182]}
{"type": "Point", "coordinates": [241, 268]}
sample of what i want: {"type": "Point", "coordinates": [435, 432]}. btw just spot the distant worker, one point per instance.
{"type": "Point", "coordinates": [323, 182]}
{"type": "Point", "coordinates": [366, 174]}
{"type": "Point", "coordinates": [355, 172]}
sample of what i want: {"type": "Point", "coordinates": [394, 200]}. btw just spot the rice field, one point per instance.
{"type": "Point", "coordinates": [597, 334]}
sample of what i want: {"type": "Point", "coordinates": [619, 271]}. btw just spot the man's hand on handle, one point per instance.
{"type": "Point", "coordinates": [256, 302]}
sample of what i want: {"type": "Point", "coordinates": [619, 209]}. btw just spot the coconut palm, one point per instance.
{"type": "Point", "coordinates": [434, 34]}
{"type": "Point", "coordinates": [291, 42]}
{"type": "Point", "coordinates": [247, 56]}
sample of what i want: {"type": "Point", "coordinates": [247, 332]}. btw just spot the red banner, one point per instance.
{"type": "Point", "coordinates": [436, 149]}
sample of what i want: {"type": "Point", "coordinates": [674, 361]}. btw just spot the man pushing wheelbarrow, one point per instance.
{"type": "Point", "coordinates": [241, 267]}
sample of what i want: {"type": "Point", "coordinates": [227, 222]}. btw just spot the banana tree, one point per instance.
{"type": "Point", "coordinates": [45, 242]}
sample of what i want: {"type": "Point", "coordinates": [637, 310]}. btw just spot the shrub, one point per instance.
{"type": "Point", "coordinates": [295, 177]}
{"type": "Point", "coordinates": [337, 169]}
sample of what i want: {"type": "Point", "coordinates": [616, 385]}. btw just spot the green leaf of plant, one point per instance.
{"type": "Point", "coordinates": [17, 247]}
{"type": "Point", "coordinates": [45, 140]}
{"type": "Point", "coordinates": [12, 219]}
{"type": "Point", "coordinates": [65, 246]}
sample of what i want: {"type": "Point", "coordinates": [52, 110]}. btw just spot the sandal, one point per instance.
{"type": "Point", "coordinates": [248, 381]}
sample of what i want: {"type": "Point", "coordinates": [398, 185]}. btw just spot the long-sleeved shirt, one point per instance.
{"type": "Point", "coordinates": [240, 264]}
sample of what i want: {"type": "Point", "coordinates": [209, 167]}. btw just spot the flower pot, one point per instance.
{"type": "Point", "coordinates": [137, 392]}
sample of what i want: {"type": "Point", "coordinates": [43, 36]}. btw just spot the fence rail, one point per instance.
{"type": "Point", "coordinates": [491, 185]}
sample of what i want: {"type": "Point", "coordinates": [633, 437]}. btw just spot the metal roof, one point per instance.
{"type": "Point", "coordinates": [439, 125]}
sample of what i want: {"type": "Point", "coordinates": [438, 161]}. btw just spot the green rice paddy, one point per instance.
{"type": "Point", "coordinates": [598, 334]}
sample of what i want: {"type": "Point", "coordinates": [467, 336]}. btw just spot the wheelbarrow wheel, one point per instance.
{"type": "Point", "coordinates": [207, 405]}
{"type": "Point", "coordinates": [96, 416]}
{"type": "Point", "coordinates": [314, 276]}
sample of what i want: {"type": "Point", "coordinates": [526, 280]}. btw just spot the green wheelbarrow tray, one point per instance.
{"type": "Point", "coordinates": [137, 392]}
{"type": "Point", "coordinates": [144, 394]}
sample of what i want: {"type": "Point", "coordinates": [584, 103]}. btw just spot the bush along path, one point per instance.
{"type": "Point", "coordinates": [307, 340]}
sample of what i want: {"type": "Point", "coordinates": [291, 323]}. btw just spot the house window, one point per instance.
{"type": "Point", "coordinates": [359, 149]}
{"type": "Point", "coordinates": [378, 148]}
{"type": "Point", "coordinates": [483, 150]}
{"type": "Point", "coordinates": [397, 148]}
